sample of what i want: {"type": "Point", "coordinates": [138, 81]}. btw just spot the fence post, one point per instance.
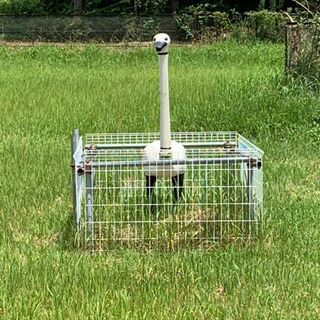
{"type": "Point", "coordinates": [33, 36]}
{"type": "Point", "coordinates": [286, 49]}
{"type": "Point", "coordinates": [292, 45]}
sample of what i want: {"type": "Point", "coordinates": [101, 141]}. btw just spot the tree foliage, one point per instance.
{"type": "Point", "coordinates": [140, 7]}
{"type": "Point", "coordinates": [20, 7]}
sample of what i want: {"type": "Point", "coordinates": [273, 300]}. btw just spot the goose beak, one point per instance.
{"type": "Point", "coordinates": [160, 45]}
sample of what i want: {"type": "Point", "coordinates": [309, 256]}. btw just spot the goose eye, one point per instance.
{"type": "Point", "coordinates": [154, 39]}
{"type": "Point", "coordinates": [166, 39]}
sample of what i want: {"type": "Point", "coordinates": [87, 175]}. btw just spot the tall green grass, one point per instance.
{"type": "Point", "coordinates": [48, 91]}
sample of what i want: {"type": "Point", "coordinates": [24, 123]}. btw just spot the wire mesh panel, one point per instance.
{"type": "Point", "coordinates": [220, 201]}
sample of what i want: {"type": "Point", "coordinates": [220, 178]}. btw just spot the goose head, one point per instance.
{"type": "Point", "coordinates": [161, 42]}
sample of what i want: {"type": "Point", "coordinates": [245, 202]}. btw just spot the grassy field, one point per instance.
{"type": "Point", "coordinates": [47, 91]}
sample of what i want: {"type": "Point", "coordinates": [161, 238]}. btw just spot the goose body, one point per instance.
{"type": "Point", "coordinates": [165, 148]}
{"type": "Point", "coordinates": [153, 152]}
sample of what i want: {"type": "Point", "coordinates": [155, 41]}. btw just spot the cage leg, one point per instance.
{"type": "Point", "coordinates": [89, 206]}
{"type": "Point", "coordinates": [74, 143]}
{"type": "Point", "coordinates": [250, 186]}
{"type": "Point", "coordinates": [177, 182]}
{"type": "Point", "coordinates": [150, 183]}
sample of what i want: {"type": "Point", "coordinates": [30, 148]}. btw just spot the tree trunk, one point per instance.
{"type": "Point", "coordinates": [135, 8]}
{"type": "Point", "coordinates": [77, 7]}
{"type": "Point", "coordinates": [175, 6]}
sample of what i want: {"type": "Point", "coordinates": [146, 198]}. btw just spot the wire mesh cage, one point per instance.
{"type": "Point", "coordinates": [221, 198]}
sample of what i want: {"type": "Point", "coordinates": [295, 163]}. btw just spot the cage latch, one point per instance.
{"type": "Point", "coordinates": [88, 166]}
{"type": "Point", "coordinates": [80, 170]}
{"type": "Point", "coordinates": [227, 145]}
{"type": "Point", "coordinates": [93, 146]}
{"type": "Point", "coordinates": [255, 163]}
{"type": "Point", "coordinates": [84, 167]}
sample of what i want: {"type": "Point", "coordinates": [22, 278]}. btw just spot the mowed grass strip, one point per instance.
{"type": "Point", "coordinates": [47, 91]}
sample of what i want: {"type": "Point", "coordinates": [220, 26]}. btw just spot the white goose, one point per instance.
{"type": "Point", "coordinates": [164, 148]}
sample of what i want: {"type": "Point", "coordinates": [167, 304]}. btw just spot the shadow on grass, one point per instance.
{"type": "Point", "coordinates": [67, 240]}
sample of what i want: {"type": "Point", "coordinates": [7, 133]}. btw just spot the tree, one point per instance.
{"type": "Point", "coordinates": [135, 8]}
{"type": "Point", "coordinates": [77, 7]}
{"type": "Point", "coordinates": [175, 6]}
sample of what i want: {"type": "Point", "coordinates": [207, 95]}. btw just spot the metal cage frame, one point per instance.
{"type": "Point", "coordinates": [222, 200]}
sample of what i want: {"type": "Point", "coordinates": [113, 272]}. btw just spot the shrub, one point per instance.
{"type": "Point", "coordinates": [265, 25]}
{"type": "Point", "coordinates": [203, 22]}
{"type": "Point", "coordinates": [19, 7]}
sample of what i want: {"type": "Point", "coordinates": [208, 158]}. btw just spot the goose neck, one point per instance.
{"type": "Point", "coordinates": [165, 130]}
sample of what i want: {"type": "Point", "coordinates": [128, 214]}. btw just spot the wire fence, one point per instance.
{"type": "Point", "coordinates": [87, 28]}
{"type": "Point", "coordinates": [105, 29]}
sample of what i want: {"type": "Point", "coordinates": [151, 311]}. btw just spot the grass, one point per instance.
{"type": "Point", "coordinates": [48, 91]}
